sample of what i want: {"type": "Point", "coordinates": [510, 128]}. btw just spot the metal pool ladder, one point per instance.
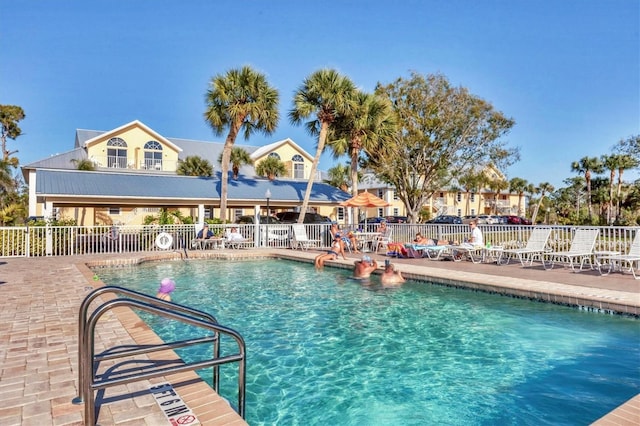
{"type": "Point", "coordinates": [88, 361]}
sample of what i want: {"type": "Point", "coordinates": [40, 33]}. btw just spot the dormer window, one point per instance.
{"type": "Point", "coordinates": [298, 166]}
{"type": "Point", "coordinates": [152, 155]}
{"type": "Point", "coordinates": [117, 153]}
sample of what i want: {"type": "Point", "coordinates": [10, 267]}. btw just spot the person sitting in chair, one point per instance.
{"type": "Point", "coordinates": [234, 235]}
{"type": "Point", "coordinates": [205, 233]}
{"type": "Point", "coordinates": [349, 239]}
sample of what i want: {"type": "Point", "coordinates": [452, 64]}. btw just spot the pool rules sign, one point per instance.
{"type": "Point", "coordinates": [173, 406]}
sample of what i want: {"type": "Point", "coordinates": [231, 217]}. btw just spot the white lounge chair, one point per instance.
{"type": "Point", "coordinates": [383, 240]}
{"type": "Point", "coordinates": [631, 259]}
{"type": "Point", "coordinates": [301, 239]}
{"type": "Point", "coordinates": [421, 250]}
{"type": "Point", "coordinates": [582, 245]}
{"type": "Point", "coordinates": [535, 247]}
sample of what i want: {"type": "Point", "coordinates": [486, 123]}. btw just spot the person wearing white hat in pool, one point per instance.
{"type": "Point", "coordinates": [363, 268]}
{"type": "Point", "coordinates": [167, 285]}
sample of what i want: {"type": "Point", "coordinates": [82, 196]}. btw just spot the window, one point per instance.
{"type": "Point", "coordinates": [340, 213]}
{"type": "Point", "coordinates": [274, 155]}
{"type": "Point", "coordinates": [117, 153]}
{"type": "Point", "coordinates": [298, 166]}
{"type": "Point", "coordinates": [380, 212]}
{"type": "Point", "coordinates": [473, 212]}
{"type": "Point", "coordinates": [152, 156]}
{"type": "Point", "coordinates": [473, 197]}
{"type": "Point", "coordinates": [114, 211]}
{"type": "Point", "coordinates": [237, 213]}
{"type": "Point", "coordinates": [381, 193]}
{"type": "Point", "coordinates": [151, 209]}
{"type": "Point", "coordinates": [395, 195]}
{"type": "Point", "coordinates": [459, 212]}
{"type": "Point", "coordinates": [459, 197]}
{"type": "Point", "coordinates": [396, 211]}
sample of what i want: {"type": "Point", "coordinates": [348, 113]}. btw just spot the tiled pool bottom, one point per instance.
{"type": "Point", "coordinates": [402, 316]}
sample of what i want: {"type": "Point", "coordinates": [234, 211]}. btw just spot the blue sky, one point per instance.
{"type": "Point", "coordinates": [567, 71]}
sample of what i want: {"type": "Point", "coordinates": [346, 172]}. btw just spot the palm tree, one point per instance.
{"type": "Point", "coordinates": [271, 167]}
{"type": "Point", "coordinates": [469, 182]}
{"type": "Point", "coordinates": [497, 185]}
{"type": "Point", "coordinates": [325, 95]}
{"type": "Point", "coordinates": [530, 190]}
{"type": "Point", "coordinates": [585, 166]}
{"type": "Point", "coordinates": [84, 164]}
{"type": "Point", "coordinates": [519, 186]}
{"type": "Point", "coordinates": [193, 165]}
{"type": "Point", "coordinates": [610, 162]}
{"type": "Point", "coordinates": [242, 99]}
{"type": "Point", "coordinates": [370, 122]}
{"type": "Point", "coordinates": [543, 188]}
{"type": "Point", "coordinates": [239, 157]}
{"type": "Point", "coordinates": [339, 177]}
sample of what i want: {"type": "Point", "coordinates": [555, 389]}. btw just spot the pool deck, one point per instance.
{"type": "Point", "coordinates": [38, 330]}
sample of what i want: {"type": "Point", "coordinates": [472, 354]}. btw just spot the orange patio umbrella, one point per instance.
{"type": "Point", "coordinates": [365, 199]}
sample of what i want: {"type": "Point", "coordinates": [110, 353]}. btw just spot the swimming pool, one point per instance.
{"type": "Point", "coordinates": [324, 349]}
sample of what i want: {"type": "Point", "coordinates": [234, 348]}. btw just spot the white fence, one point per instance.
{"type": "Point", "coordinates": [35, 241]}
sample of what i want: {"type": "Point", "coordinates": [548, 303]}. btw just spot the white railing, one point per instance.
{"type": "Point", "coordinates": [35, 241]}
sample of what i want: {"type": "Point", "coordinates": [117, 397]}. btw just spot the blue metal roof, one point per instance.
{"type": "Point", "coordinates": [161, 186]}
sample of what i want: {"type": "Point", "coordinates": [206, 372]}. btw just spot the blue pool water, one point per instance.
{"type": "Point", "coordinates": [326, 350]}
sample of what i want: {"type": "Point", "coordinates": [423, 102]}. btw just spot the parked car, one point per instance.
{"type": "Point", "coordinates": [482, 219]}
{"type": "Point", "coordinates": [502, 220]}
{"type": "Point", "coordinates": [277, 231]}
{"type": "Point", "coordinates": [525, 221]}
{"type": "Point", "coordinates": [450, 219]}
{"type": "Point", "coordinates": [513, 220]}
{"type": "Point", "coordinates": [251, 219]}
{"type": "Point", "coordinates": [396, 219]}
{"type": "Point", "coordinates": [292, 217]}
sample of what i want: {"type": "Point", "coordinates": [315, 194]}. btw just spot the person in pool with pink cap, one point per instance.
{"type": "Point", "coordinates": [167, 285]}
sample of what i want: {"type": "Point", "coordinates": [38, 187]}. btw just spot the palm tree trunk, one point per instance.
{"type": "Point", "coordinates": [535, 211]}
{"type": "Point", "coordinates": [226, 158]}
{"type": "Point", "coordinates": [307, 194]}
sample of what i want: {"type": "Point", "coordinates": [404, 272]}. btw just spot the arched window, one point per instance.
{"type": "Point", "coordinates": [117, 153]}
{"type": "Point", "coordinates": [153, 155]}
{"type": "Point", "coordinates": [274, 154]}
{"type": "Point", "coordinates": [298, 166]}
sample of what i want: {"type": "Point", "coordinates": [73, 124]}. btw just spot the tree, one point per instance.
{"type": "Point", "coordinates": [339, 177]}
{"type": "Point", "coordinates": [271, 167]}
{"type": "Point", "coordinates": [241, 99]}
{"type": "Point", "coordinates": [610, 162]}
{"type": "Point", "coordinates": [626, 162]}
{"type": "Point", "coordinates": [84, 164]}
{"type": "Point", "coordinates": [369, 122]}
{"type": "Point", "coordinates": [9, 117]}
{"type": "Point", "coordinates": [519, 186]}
{"type": "Point", "coordinates": [585, 166]}
{"type": "Point", "coordinates": [239, 157]}
{"type": "Point", "coordinates": [630, 147]}
{"type": "Point", "coordinates": [497, 185]}
{"type": "Point", "coordinates": [444, 132]}
{"type": "Point", "coordinates": [469, 182]}
{"type": "Point", "coordinates": [193, 165]}
{"type": "Point", "coordinates": [543, 188]}
{"type": "Point", "coordinates": [324, 96]}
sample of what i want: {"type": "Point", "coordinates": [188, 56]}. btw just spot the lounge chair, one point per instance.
{"type": "Point", "coordinates": [474, 253]}
{"type": "Point", "coordinates": [421, 250]}
{"type": "Point", "coordinates": [631, 258]}
{"type": "Point", "coordinates": [383, 240]}
{"type": "Point", "coordinates": [535, 247]}
{"type": "Point", "coordinates": [301, 239]}
{"type": "Point", "coordinates": [582, 245]}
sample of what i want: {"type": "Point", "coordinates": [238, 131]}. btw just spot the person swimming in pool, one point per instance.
{"type": "Point", "coordinates": [363, 268]}
{"type": "Point", "coordinates": [391, 277]}
{"type": "Point", "coordinates": [167, 285]}
{"type": "Point", "coordinates": [337, 248]}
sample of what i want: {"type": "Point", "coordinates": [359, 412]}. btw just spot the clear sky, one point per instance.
{"type": "Point", "coordinates": [567, 71]}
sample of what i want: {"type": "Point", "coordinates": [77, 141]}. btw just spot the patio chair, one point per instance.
{"type": "Point", "coordinates": [301, 239]}
{"type": "Point", "coordinates": [459, 252]}
{"type": "Point", "coordinates": [631, 258]}
{"type": "Point", "coordinates": [582, 245]}
{"type": "Point", "coordinates": [421, 251]}
{"type": "Point", "coordinates": [383, 240]}
{"type": "Point", "coordinates": [535, 247]}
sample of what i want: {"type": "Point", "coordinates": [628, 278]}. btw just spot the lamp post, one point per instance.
{"type": "Point", "coordinates": [267, 195]}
